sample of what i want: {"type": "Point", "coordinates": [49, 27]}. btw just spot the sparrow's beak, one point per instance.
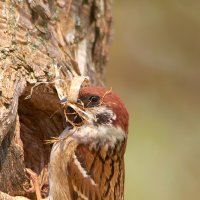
{"type": "Point", "coordinates": [84, 113]}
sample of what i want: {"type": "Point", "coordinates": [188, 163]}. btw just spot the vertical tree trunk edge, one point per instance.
{"type": "Point", "coordinates": [37, 37]}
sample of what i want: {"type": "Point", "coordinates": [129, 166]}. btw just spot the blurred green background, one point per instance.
{"type": "Point", "coordinates": [155, 67]}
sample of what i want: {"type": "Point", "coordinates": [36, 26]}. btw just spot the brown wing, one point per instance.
{"type": "Point", "coordinates": [96, 175]}
{"type": "Point", "coordinates": [82, 184]}
{"type": "Point", "coordinates": [112, 183]}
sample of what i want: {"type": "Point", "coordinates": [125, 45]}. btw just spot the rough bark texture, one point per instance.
{"type": "Point", "coordinates": [36, 36]}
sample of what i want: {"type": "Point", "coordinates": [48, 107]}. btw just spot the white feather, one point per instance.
{"type": "Point", "coordinates": [82, 170]}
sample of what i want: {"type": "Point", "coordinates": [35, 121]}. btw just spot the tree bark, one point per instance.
{"type": "Point", "coordinates": [36, 38]}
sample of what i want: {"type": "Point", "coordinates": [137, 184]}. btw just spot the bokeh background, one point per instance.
{"type": "Point", "coordinates": [155, 67]}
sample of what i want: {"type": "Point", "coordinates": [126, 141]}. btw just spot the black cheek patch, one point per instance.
{"type": "Point", "coordinates": [103, 118]}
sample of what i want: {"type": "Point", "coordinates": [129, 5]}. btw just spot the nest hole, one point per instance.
{"type": "Point", "coordinates": [40, 119]}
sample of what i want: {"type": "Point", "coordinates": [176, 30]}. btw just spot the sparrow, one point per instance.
{"type": "Point", "coordinates": [87, 161]}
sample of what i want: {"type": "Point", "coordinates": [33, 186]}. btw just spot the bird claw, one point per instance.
{"type": "Point", "coordinates": [35, 186]}
{"type": "Point", "coordinates": [33, 176]}
{"type": "Point", "coordinates": [30, 174]}
{"type": "Point", "coordinates": [29, 190]}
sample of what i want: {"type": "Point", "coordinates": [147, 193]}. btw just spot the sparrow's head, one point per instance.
{"type": "Point", "coordinates": [104, 107]}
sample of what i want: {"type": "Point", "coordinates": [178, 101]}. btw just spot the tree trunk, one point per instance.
{"type": "Point", "coordinates": [38, 39]}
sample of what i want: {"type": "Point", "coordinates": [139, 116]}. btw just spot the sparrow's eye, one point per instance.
{"type": "Point", "coordinates": [90, 101]}
{"type": "Point", "coordinates": [94, 99]}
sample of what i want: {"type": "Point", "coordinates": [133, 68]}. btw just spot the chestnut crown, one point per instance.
{"type": "Point", "coordinates": [99, 97]}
